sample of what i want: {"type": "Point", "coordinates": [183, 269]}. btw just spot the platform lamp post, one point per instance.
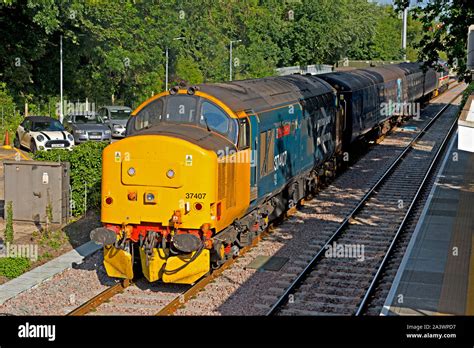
{"type": "Point", "coordinates": [61, 114]}
{"type": "Point", "coordinates": [405, 5]}
{"type": "Point", "coordinates": [404, 33]}
{"type": "Point", "coordinates": [167, 61]}
{"type": "Point", "coordinates": [230, 58]}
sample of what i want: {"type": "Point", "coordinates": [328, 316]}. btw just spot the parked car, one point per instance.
{"type": "Point", "coordinates": [116, 118]}
{"type": "Point", "coordinates": [87, 126]}
{"type": "Point", "coordinates": [42, 133]}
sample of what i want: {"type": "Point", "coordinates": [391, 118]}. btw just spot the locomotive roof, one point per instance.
{"type": "Point", "coordinates": [266, 93]}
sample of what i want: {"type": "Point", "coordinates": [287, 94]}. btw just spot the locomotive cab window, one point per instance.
{"type": "Point", "coordinates": [214, 118]}
{"type": "Point", "coordinates": [186, 109]}
{"type": "Point", "coordinates": [149, 116]}
{"type": "Point", "coordinates": [181, 109]}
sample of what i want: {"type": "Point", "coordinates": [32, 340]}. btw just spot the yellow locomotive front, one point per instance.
{"type": "Point", "coordinates": [160, 189]}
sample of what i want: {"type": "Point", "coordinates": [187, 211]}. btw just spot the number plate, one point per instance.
{"type": "Point", "coordinates": [57, 145]}
{"type": "Point", "coordinates": [95, 137]}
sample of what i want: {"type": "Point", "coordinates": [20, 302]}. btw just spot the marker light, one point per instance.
{"type": "Point", "coordinates": [109, 200]}
{"type": "Point", "coordinates": [131, 171]}
{"type": "Point", "coordinates": [170, 173]}
{"type": "Point", "coordinates": [149, 198]}
{"type": "Point", "coordinates": [132, 196]}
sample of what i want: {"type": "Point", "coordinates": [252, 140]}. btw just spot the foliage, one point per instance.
{"type": "Point", "coordinates": [188, 70]}
{"type": "Point", "coordinates": [12, 267]}
{"type": "Point", "coordinates": [118, 51]}
{"type": "Point", "coordinates": [45, 256]}
{"type": "Point", "coordinates": [8, 234]}
{"type": "Point", "coordinates": [466, 93]}
{"type": "Point", "coordinates": [85, 174]}
{"type": "Point", "coordinates": [52, 239]}
{"type": "Point", "coordinates": [445, 24]}
{"type": "Point", "coordinates": [10, 115]}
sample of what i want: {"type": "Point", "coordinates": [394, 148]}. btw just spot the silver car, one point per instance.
{"type": "Point", "coordinates": [87, 126]}
{"type": "Point", "coordinates": [116, 118]}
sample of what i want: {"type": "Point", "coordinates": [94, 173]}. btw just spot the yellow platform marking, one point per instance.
{"type": "Point", "coordinates": [13, 154]}
{"type": "Point", "coordinates": [21, 154]}
{"type": "Point", "coordinates": [470, 287]}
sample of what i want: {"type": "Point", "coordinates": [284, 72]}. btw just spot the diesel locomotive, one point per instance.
{"type": "Point", "coordinates": [203, 169]}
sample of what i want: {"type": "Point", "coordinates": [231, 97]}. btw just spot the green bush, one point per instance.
{"type": "Point", "coordinates": [12, 267]}
{"type": "Point", "coordinates": [466, 93]}
{"type": "Point", "coordinates": [9, 112]}
{"type": "Point", "coordinates": [8, 234]}
{"type": "Point", "coordinates": [86, 172]}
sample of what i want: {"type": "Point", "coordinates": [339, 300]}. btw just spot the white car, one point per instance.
{"type": "Point", "coordinates": [42, 133]}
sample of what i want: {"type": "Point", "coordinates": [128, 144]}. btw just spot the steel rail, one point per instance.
{"type": "Point", "coordinates": [283, 299]}
{"type": "Point", "coordinates": [179, 301]}
{"type": "Point", "coordinates": [97, 300]}
{"type": "Point", "coordinates": [388, 253]}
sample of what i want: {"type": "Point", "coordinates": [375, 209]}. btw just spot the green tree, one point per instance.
{"type": "Point", "coordinates": [445, 24]}
{"type": "Point", "coordinates": [188, 70]}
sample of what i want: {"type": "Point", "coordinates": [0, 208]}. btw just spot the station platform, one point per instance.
{"type": "Point", "coordinates": [436, 275]}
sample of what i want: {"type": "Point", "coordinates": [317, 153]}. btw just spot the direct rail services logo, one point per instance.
{"type": "Point", "coordinates": [37, 331]}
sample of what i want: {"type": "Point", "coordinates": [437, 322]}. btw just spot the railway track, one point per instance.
{"type": "Point", "coordinates": [140, 297]}
{"type": "Point", "coordinates": [330, 283]}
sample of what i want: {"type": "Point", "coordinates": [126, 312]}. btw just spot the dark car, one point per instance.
{"type": "Point", "coordinates": [87, 126]}
{"type": "Point", "coordinates": [116, 118]}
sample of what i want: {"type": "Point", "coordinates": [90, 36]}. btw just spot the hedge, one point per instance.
{"type": "Point", "coordinates": [85, 175]}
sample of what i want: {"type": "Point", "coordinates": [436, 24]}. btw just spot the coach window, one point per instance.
{"type": "Point", "coordinates": [244, 134]}
{"type": "Point", "coordinates": [149, 116]}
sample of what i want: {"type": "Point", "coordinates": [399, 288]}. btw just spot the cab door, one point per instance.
{"type": "Point", "coordinates": [254, 132]}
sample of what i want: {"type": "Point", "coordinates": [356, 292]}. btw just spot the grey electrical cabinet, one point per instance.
{"type": "Point", "coordinates": [34, 187]}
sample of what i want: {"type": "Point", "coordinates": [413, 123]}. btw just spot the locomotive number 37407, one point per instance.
{"type": "Point", "coordinates": [191, 195]}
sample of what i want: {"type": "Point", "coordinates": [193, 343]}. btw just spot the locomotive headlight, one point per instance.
{"type": "Point", "coordinates": [150, 197]}
{"type": "Point", "coordinates": [131, 171]}
{"type": "Point", "coordinates": [170, 173]}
